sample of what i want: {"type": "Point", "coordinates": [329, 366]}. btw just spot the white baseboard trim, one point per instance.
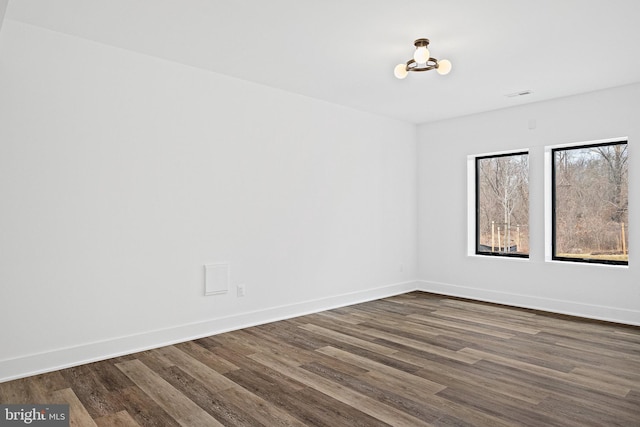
{"type": "Point", "coordinates": [589, 311]}
{"type": "Point", "coordinates": [80, 354]}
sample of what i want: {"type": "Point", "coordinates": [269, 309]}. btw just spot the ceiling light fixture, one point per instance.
{"type": "Point", "coordinates": [422, 61]}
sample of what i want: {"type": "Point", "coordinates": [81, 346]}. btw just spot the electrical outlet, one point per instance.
{"type": "Point", "coordinates": [401, 268]}
{"type": "Point", "coordinates": [240, 290]}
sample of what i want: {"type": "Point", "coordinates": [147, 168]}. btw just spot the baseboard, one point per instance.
{"type": "Point", "coordinates": [38, 363]}
{"type": "Point", "coordinates": [589, 311]}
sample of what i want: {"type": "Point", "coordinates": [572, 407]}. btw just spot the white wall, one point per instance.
{"type": "Point", "coordinates": [3, 9]}
{"type": "Point", "coordinates": [122, 174]}
{"type": "Point", "coordinates": [604, 292]}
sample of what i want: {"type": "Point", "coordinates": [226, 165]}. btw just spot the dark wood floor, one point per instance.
{"type": "Point", "coordinates": [411, 360]}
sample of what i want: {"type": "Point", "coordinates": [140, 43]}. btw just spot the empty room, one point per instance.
{"type": "Point", "coordinates": [321, 213]}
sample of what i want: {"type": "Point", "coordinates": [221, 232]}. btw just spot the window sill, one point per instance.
{"type": "Point", "coordinates": [510, 258]}
{"type": "Point", "coordinates": [589, 264]}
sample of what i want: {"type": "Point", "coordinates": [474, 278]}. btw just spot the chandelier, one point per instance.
{"type": "Point", "coordinates": [422, 61]}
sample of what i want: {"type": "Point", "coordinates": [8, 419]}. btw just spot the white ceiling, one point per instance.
{"type": "Point", "coordinates": [344, 51]}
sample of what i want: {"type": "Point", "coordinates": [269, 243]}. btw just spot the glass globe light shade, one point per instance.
{"type": "Point", "coordinates": [400, 71]}
{"type": "Point", "coordinates": [444, 66]}
{"type": "Point", "coordinates": [421, 55]}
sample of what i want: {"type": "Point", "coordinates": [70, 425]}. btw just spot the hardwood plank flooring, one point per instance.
{"type": "Point", "coordinates": [416, 359]}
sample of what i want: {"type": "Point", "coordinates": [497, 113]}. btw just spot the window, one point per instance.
{"type": "Point", "coordinates": [502, 204]}
{"type": "Point", "coordinates": [589, 196]}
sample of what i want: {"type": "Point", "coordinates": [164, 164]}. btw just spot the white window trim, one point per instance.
{"type": "Point", "coordinates": [548, 203]}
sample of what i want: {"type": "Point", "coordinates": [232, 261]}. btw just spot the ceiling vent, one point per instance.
{"type": "Point", "coordinates": [519, 93]}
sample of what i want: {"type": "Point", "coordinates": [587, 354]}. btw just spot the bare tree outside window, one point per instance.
{"type": "Point", "coordinates": [502, 205]}
{"type": "Point", "coordinates": [590, 203]}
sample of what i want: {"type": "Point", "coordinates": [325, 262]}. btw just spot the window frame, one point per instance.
{"type": "Point", "coordinates": [476, 187]}
{"type": "Point", "coordinates": [551, 201]}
